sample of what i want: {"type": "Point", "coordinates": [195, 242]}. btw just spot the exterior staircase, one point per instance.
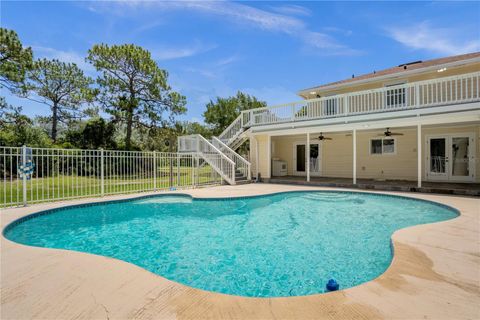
{"type": "Point", "coordinates": [234, 135]}
{"type": "Point", "coordinates": [242, 166]}
{"type": "Point", "coordinates": [220, 152]}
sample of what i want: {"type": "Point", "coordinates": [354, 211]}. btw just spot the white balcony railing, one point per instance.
{"type": "Point", "coordinates": [442, 91]}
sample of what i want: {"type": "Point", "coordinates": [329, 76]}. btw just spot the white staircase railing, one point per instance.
{"type": "Point", "coordinates": [211, 154]}
{"type": "Point", "coordinates": [241, 165]}
{"type": "Point", "coordinates": [233, 130]}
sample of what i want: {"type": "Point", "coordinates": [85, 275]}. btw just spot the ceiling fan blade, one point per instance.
{"type": "Point", "coordinates": [396, 134]}
{"type": "Point", "coordinates": [348, 135]}
{"type": "Point", "coordinates": [328, 138]}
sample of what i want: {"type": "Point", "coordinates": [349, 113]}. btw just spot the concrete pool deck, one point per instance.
{"type": "Point", "coordinates": [435, 274]}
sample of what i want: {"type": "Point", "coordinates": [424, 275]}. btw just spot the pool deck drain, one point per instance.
{"type": "Point", "coordinates": [435, 274]}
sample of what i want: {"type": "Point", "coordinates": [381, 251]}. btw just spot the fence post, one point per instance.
{"type": "Point", "coordinates": [178, 170]}
{"type": "Point", "coordinates": [221, 165]}
{"type": "Point", "coordinates": [192, 163]}
{"type": "Point", "coordinates": [170, 170]}
{"type": "Point", "coordinates": [102, 170]}
{"type": "Point", "coordinates": [197, 170]}
{"type": "Point", "coordinates": [154, 171]}
{"type": "Point", "coordinates": [24, 176]}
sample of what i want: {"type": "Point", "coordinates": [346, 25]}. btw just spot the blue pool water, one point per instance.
{"type": "Point", "coordinates": [286, 244]}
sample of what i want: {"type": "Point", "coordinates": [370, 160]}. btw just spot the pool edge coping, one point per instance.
{"type": "Point", "coordinates": [135, 197]}
{"type": "Point", "coordinates": [394, 242]}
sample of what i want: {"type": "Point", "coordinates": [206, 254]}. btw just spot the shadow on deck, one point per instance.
{"type": "Point", "coordinates": [469, 189]}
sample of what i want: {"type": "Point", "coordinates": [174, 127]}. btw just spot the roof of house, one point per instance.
{"type": "Point", "coordinates": [400, 69]}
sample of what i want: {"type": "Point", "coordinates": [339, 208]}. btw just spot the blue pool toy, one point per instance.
{"type": "Point", "coordinates": [332, 285]}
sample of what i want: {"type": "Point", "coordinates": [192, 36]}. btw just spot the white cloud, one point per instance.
{"type": "Point", "coordinates": [238, 12]}
{"type": "Point", "coordinates": [148, 26]}
{"type": "Point", "coordinates": [65, 56]}
{"type": "Point", "coordinates": [423, 36]}
{"type": "Point", "coordinates": [168, 53]}
{"type": "Point", "coordinates": [272, 95]}
{"type": "Point", "coordinates": [208, 73]}
{"type": "Point", "coordinates": [158, 53]}
{"type": "Point", "coordinates": [215, 70]}
{"type": "Point", "coordinates": [291, 9]}
{"type": "Point", "coordinates": [228, 60]}
{"type": "Point", "coordinates": [344, 32]}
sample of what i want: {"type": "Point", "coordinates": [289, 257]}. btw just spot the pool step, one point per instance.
{"type": "Point", "coordinates": [328, 196]}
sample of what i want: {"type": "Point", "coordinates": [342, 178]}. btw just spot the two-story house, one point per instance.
{"type": "Point", "coordinates": [414, 123]}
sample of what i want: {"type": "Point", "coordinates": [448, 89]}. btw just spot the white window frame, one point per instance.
{"type": "Point", "coordinates": [383, 153]}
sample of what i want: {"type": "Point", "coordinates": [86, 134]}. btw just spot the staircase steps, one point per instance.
{"type": "Point", "coordinates": [220, 152]}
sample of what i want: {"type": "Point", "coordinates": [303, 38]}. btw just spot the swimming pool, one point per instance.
{"type": "Point", "coordinates": [286, 244]}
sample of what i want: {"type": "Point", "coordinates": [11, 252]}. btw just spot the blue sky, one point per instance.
{"type": "Point", "coordinates": [268, 49]}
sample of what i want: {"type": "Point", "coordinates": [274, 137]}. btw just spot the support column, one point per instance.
{"type": "Point", "coordinates": [307, 157]}
{"type": "Point", "coordinates": [354, 136]}
{"type": "Point", "coordinates": [256, 158]}
{"type": "Point", "coordinates": [419, 155]}
{"type": "Point", "coordinates": [269, 157]}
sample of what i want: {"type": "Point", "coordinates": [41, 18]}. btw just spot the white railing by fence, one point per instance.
{"type": "Point", "coordinates": [33, 175]}
{"type": "Point", "coordinates": [211, 154]}
{"type": "Point", "coordinates": [436, 92]}
{"type": "Point", "coordinates": [241, 165]}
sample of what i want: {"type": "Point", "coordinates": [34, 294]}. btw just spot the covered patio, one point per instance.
{"type": "Point", "coordinates": [470, 189]}
{"type": "Point", "coordinates": [437, 154]}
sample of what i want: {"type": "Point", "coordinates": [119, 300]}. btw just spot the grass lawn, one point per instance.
{"type": "Point", "coordinates": [62, 186]}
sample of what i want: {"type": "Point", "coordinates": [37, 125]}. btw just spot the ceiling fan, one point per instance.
{"type": "Point", "coordinates": [321, 137]}
{"type": "Point", "coordinates": [388, 133]}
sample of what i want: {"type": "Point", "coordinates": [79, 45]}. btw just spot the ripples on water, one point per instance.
{"type": "Point", "coordinates": [278, 245]}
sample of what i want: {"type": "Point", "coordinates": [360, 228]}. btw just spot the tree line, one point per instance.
{"type": "Point", "coordinates": [128, 105]}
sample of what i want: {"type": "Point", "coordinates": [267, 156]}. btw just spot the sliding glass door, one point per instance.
{"type": "Point", "coordinates": [450, 158]}
{"type": "Point", "coordinates": [300, 160]}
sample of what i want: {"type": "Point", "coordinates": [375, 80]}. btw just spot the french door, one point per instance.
{"type": "Point", "coordinates": [450, 157]}
{"type": "Point", "coordinates": [300, 159]}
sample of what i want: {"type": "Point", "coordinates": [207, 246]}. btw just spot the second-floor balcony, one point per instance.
{"type": "Point", "coordinates": [415, 95]}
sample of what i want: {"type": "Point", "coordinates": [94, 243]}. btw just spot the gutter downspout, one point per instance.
{"type": "Point", "coordinates": [256, 156]}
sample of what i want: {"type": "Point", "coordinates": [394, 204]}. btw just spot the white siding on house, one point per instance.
{"type": "Point", "coordinates": [337, 153]}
